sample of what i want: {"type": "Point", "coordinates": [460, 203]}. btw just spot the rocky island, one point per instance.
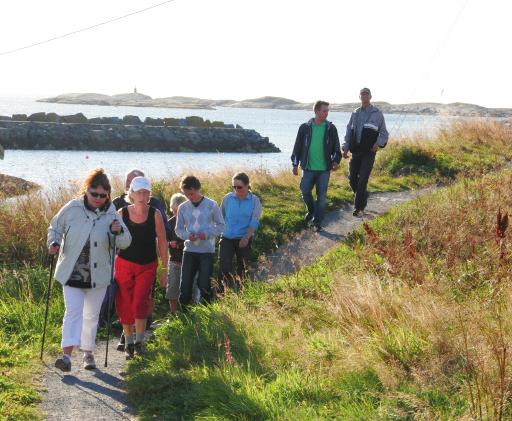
{"type": "Point", "coordinates": [76, 132]}
{"type": "Point", "coordinates": [135, 99]}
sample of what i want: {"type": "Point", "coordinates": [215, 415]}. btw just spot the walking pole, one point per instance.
{"type": "Point", "coordinates": [110, 299]}
{"type": "Point", "coordinates": [49, 291]}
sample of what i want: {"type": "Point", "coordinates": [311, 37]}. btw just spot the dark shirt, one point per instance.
{"type": "Point", "coordinates": [142, 249]}
{"type": "Point", "coordinates": [121, 202]}
{"type": "Point", "coordinates": [175, 254]}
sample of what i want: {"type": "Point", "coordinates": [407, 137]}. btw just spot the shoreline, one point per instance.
{"type": "Point", "coordinates": [11, 186]}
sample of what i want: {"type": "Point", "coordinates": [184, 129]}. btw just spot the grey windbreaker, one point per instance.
{"type": "Point", "coordinates": [375, 121]}
{"type": "Point", "coordinates": [71, 228]}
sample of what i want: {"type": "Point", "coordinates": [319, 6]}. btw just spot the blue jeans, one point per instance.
{"type": "Point", "coordinates": [201, 263]}
{"type": "Point", "coordinates": [320, 180]}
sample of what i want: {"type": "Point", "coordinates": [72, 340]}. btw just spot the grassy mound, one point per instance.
{"type": "Point", "coordinates": [408, 320]}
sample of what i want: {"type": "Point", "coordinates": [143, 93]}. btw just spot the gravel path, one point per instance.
{"type": "Point", "coordinates": [308, 245]}
{"type": "Point", "coordinates": [99, 394]}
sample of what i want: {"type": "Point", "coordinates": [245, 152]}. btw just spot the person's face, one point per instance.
{"type": "Point", "coordinates": [322, 113]}
{"type": "Point", "coordinates": [240, 188]}
{"type": "Point", "coordinates": [140, 196]}
{"type": "Point", "coordinates": [96, 197]}
{"type": "Point", "coordinates": [129, 179]}
{"type": "Point", "coordinates": [192, 194]}
{"type": "Point", "coordinates": [365, 98]}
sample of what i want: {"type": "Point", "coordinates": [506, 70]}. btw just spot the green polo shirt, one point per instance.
{"type": "Point", "coordinates": [316, 156]}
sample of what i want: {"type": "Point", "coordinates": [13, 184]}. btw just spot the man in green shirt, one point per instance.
{"type": "Point", "coordinates": [317, 151]}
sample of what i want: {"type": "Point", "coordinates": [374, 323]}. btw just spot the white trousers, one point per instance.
{"type": "Point", "coordinates": [80, 322]}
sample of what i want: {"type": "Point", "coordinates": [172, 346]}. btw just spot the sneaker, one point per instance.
{"type": "Point", "coordinates": [63, 363]}
{"type": "Point", "coordinates": [139, 348]}
{"type": "Point", "coordinates": [120, 345]}
{"type": "Point", "coordinates": [129, 350]}
{"type": "Point", "coordinates": [318, 228]}
{"type": "Point", "coordinates": [358, 213]}
{"type": "Point", "coordinates": [89, 363]}
{"type": "Point", "coordinates": [308, 218]}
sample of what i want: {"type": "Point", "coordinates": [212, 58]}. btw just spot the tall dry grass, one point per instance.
{"type": "Point", "coordinates": [434, 305]}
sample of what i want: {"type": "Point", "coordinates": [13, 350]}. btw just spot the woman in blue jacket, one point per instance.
{"type": "Point", "coordinates": [241, 210]}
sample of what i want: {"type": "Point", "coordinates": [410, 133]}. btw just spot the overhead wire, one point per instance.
{"type": "Point", "coordinates": [87, 28]}
{"type": "Point", "coordinates": [401, 117]}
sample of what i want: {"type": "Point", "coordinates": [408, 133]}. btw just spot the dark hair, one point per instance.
{"type": "Point", "coordinates": [190, 182]}
{"type": "Point", "coordinates": [319, 105]}
{"type": "Point", "coordinates": [243, 177]}
{"type": "Point", "coordinates": [96, 178]}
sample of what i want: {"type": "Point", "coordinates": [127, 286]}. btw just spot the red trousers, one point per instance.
{"type": "Point", "coordinates": [133, 295]}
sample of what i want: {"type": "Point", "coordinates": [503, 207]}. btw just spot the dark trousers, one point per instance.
{"type": "Point", "coordinates": [229, 248]}
{"type": "Point", "coordinates": [192, 264]}
{"type": "Point", "coordinates": [320, 180]}
{"type": "Point", "coordinates": [359, 172]}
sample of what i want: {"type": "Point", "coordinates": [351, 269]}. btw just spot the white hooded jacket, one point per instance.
{"type": "Point", "coordinates": [73, 225]}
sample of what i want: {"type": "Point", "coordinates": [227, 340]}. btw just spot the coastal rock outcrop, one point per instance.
{"type": "Point", "coordinates": [130, 137]}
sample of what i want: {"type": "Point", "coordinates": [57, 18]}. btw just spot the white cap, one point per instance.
{"type": "Point", "coordinates": [140, 183]}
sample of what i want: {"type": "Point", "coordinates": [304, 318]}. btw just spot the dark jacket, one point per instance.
{"type": "Point", "coordinates": [120, 202]}
{"type": "Point", "coordinates": [175, 254]}
{"type": "Point", "coordinates": [332, 149]}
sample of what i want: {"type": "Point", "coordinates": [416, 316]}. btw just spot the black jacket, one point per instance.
{"type": "Point", "coordinates": [332, 149]}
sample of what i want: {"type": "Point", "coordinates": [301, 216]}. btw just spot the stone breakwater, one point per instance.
{"type": "Point", "coordinates": [31, 135]}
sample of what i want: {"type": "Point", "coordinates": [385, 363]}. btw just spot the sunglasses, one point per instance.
{"type": "Point", "coordinates": [96, 195]}
{"type": "Point", "coordinates": [238, 187]}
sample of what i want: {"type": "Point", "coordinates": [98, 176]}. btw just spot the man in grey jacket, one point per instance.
{"type": "Point", "coordinates": [366, 133]}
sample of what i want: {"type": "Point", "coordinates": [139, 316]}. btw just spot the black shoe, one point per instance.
{"type": "Point", "coordinates": [139, 348]}
{"type": "Point", "coordinates": [318, 228]}
{"type": "Point", "coordinates": [63, 363]}
{"type": "Point", "coordinates": [358, 213]}
{"type": "Point", "coordinates": [120, 345]}
{"type": "Point", "coordinates": [129, 351]}
{"type": "Point", "coordinates": [308, 218]}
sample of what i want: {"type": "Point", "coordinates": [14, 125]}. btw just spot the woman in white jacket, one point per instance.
{"type": "Point", "coordinates": [83, 232]}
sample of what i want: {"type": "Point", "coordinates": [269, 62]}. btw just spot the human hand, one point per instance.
{"type": "Point", "coordinates": [163, 277]}
{"type": "Point", "coordinates": [375, 148]}
{"type": "Point", "coordinates": [345, 154]}
{"type": "Point", "coordinates": [202, 236]}
{"type": "Point", "coordinates": [192, 237]}
{"type": "Point", "coordinates": [53, 249]}
{"type": "Point", "coordinates": [334, 166]}
{"type": "Point", "coordinates": [243, 242]}
{"type": "Point", "coordinates": [295, 171]}
{"type": "Point", "coordinates": [115, 227]}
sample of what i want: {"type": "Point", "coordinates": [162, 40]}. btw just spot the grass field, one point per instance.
{"type": "Point", "coordinates": [409, 319]}
{"type": "Point", "coordinates": [278, 348]}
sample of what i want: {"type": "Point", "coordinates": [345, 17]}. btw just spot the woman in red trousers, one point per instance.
{"type": "Point", "coordinates": [135, 267]}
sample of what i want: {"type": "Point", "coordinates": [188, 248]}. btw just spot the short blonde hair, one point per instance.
{"type": "Point", "coordinates": [177, 199]}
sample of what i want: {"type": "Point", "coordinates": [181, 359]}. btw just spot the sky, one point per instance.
{"type": "Point", "coordinates": [405, 51]}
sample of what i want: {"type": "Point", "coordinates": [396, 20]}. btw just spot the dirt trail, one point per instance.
{"type": "Point", "coordinates": [100, 394]}
{"type": "Point", "coordinates": [308, 245]}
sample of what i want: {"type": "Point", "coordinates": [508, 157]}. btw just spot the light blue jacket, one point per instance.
{"type": "Point", "coordinates": [240, 214]}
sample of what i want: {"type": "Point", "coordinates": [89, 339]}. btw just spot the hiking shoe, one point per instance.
{"type": "Point", "coordinates": [120, 345]}
{"type": "Point", "coordinates": [63, 363]}
{"type": "Point", "coordinates": [89, 363]}
{"type": "Point", "coordinates": [139, 348]}
{"type": "Point", "coordinates": [358, 213]}
{"type": "Point", "coordinates": [129, 350]}
{"type": "Point", "coordinates": [308, 218]}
